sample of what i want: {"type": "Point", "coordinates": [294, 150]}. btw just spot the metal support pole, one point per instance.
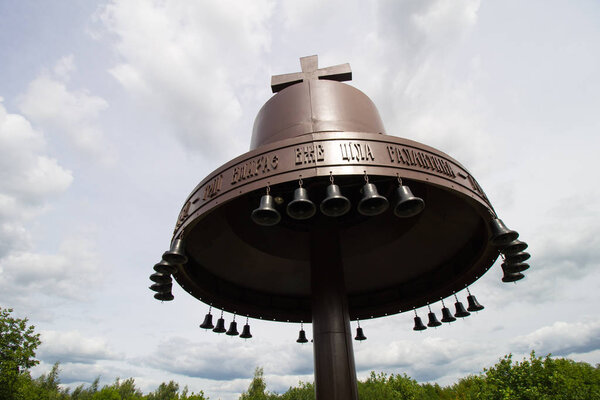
{"type": "Point", "coordinates": [335, 373]}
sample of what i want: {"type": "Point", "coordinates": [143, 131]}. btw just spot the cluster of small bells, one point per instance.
{"type": "Point", "coordinates": [171, 260]}
{"type": "Point", "coordinates": [336, 204]}
{"type": "Point", "coordinates": [514, 256]}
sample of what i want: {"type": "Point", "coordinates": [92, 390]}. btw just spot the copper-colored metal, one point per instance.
{"type": "Point", "coordinates": [332, 270]}
{"type": "Point", "coordinates": [335, 373]}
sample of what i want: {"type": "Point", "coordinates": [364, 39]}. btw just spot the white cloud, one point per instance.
{"type": "Point", "coordinates": [28, 179]}
{"type": "Point", "coordinates": [562, 338]}
{"type": "Point", "coordinates": [235, 361]}
{"type": "Point", "coordinates": [29, 278]}
{"type": "Point", "coordinates": [73, 113]}
{"type": "Point", "coordinates": [73, 347]}
{"type": "Point", "coordinates": [423, 90]}
{"type": "Point", "coordinates": [192, 63]}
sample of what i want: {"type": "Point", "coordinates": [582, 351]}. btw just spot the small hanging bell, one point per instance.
{"type": "Point", "coordinates": [176, 255]}
{"type": "Point", "coordinates": [301, 207]}
{"type": "Point", "coordinates": [360, 336]}
{"type": "Point", "coordinates": [460, 309]}
{"type": "Point", "coordinates": [161, 287]}
{"type": "Point", "coordinates": [207, 323]}
{"type": "Point", "coordinates": [516, 246]}
{"type": "Point", "coordinates": [433, 321]}
{"type": "Point", "coordinates": [372, 203]}
{"type": "Point", "coordinates": [334, 204]}
{"type": "Point", "coordinates": [164, 267]}
{"type": "Point", "coordinates": [220, 328]}
{"type": "Point", "coordinates": [168, 296]}
{"type": "Point", "coordinates": [517, 257]}
{"type": "Point", "coordinates": [246, 331]}
{"type": "Point", "coordinates": [302, 337]}
{"type": "Point", "coordinates": [266, 214]}
{"type": "Point", "coordinates": [446, 314]}
{"type": "Point", "coordinates": [407, 205]}
{"type": "Point", "coordinates": [473, 303]}
{"type": "Point", "coordinates": [513, 268]}
{"type": "Point", "coordinates": [232, 331]}
{"type": "Point", "coordinates": [501, 235]}
{"type": "Point", "coordinates": [419, 326]}
{"type": "Point", "coordinates": [160, 278]}
{"type": "Point", "coordinates": [511, 276]}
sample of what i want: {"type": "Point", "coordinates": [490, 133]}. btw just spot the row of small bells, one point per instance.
{"type": "Point", "coordinates": [447, 316]}
{"type": "Point", "coordinates": [336, 204]}
{"type": "Point", "coordinates": [171, 260]}
{"type": "Point", "coordinates": [220, 327]}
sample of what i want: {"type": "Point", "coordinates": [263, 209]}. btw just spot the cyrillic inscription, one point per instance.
{"type": "Point", "coordinates": [309, 154]}
{"type": "Point", "coordinates": [258, 166]}
{"type": "Point", "coordinates": [213, 188]}
{"type": "Point", "coordinates": [410, 157]}
{"type": "Point", "coordinates": [183, 214]}
{"type": "Point", "coordinates": [354, 151]}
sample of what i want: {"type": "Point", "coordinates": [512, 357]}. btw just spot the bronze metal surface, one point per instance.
{"type": "Point", "coordinates": [311, 70]}
{"type": "Point", "coordinates": [389, 262]}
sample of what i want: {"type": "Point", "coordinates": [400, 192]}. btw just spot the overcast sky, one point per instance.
{"type": "Point", "coordinates": [112, 112]}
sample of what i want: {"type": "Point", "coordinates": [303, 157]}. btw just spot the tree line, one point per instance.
{"type": "Point", "coordinates": [533, 378]}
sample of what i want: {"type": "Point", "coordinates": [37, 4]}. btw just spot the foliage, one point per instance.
{"type": "Point", "coordinates": [257, 388]}
{"type": "Point", "coordinates": [18, 343]}
{"type": "Point", "coordinates": [543, 378]}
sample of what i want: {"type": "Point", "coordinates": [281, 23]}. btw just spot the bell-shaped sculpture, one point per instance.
{"type": "Point", "coordinates": [302, 337]}
{"type": "Point", "coordinates": [232, 331]}
{"type": "Point", "coordinates": [372, 203]}
{"type": "Point", "coordinates": [359, 334]}
{"type": "Point", "coordinates": [160, 278]}
{"type": "Point", "coordinates": [433, 321]}
{"type": "Point", "coordinates": [511, 276]}
{"type": "Point", "coordinates": [220, 328]}
{"type": "Point", "coordinates": [176, 255]}
{"type": "Point", "coordinates": [517, 257]}
{"type": "Point", "coordinates": [207, 323]}
{"type": "Point", "coordinates": [167, 296]}
{"type": "Point", "coordinates": [473, 304]}
{"type": "Point", "coordinates": [266, 214]}
{"type": "Point", "coordinates": [335, 204]}
{"type": "Point", "coordinates": [407, 205]}
{"type": "Point", "coordinates": [513, 268]}
{"type": "Point", "coordinates": [166, 268]}
{"type": "Point", "coordinates": [501, 235]}
{"type": "Point", "coordinates": [460, 310]}
{"type": "Point", "coordinates": [516, 246]}
{"type": "Point", "coordinates": [447, 315]}
{"type": "Point", "coordinates": [419, 326]}
{"type": "Point", "coordinates": [162, 287]}
{"type": "Point", "coordinates": [246, 332]}
{"type": "Point", "coordinates": [301, 207]}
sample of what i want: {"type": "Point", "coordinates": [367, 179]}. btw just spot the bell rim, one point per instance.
{"type": "Point", "coordinates": [174, 258]}
{"type": "Point", "coordinates": [421, 207]}
{"type": "Point", "coordinates": [294, 202]}
{"type": "Point", "coordinates": [344, 211]}
{"type": "Point", "coordinates": [385, 203]}
{"type": "Point", "coordinates": [260, 222]}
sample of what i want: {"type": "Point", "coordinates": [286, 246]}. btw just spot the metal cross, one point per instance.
{"type": "Point", "coordinates": [310, 70]}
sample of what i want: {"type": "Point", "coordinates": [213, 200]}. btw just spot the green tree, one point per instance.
{"type": "Point", "coordinates": [18, 343]}
{"type": "Point", "coordinates": [304, 391]}
{"type": "Point", "coordinates": [257, 388]}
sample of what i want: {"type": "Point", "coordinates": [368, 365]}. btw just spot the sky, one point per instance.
{"type": "Point", "coordinates": [112, 112]}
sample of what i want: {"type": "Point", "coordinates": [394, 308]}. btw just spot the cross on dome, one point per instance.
{"type": "Point", "coordinates": [310, 70]}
